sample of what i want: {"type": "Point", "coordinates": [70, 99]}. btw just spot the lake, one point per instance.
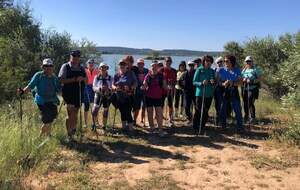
{"type": "Point", "coordinates": [113, 59]}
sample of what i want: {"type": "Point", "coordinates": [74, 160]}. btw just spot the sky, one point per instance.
{"type": "Point", "coordinates": [168, 24]}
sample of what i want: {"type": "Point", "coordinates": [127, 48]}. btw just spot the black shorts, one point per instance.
{"type": "Point", "coordinates": [169, 99]}
{"type": "Point", "coordinates": [48, 112]}
{"type": "Point", "coordinates": [73, 100]}
{"type": "Point", "coordinates": [153, 102]}
{"type": "Point", "coordinates": [137, 102]}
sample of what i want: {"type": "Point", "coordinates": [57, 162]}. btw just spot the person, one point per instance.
{"type": "Point", "coordinates": [154, 84]}
{"type": "Point", "coordinates": [169, 75]}
{"type": "Point", "coordinates": [179, 95]}
{"type": "Point", "coordinates": [251, 76]}
{"type": "Point", "coordinates": [91, 73]}
{"type": "Point", "coordinates": [189, 90]}
{"type": "Point", "coordinates": [134, 69]}
{"type": "Point", "coordinates": [47, 87]}
{"type": "Point", "coordinates": [73, 77]}
{"type": "Point", "coordinates": [198, 62]}
{"type": "Point", "coordinates": [124, 83]}
{"type": "Point", "coordinates": [230, 77]}
{"type": "Point", "coordinates": [218, 87]}
{"type": "Point", "coordinates": [102, 86]}
{"type": "Point", "coordinates": [204, 80]}
{"type": "Point", "coordinates": [139, 94]}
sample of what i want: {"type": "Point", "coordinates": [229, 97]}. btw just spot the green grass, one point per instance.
{"type": "Point", "coordinates": [19, 143]}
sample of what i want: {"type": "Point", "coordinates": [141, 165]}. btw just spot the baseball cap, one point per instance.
{"type": "Point", "coordinates": [75, 53]}
{"type": "Point", "coordinates": [248, 58]}
{"type": "Point", "coordinates": [141, 60]}
{"type": "Point", "coordinates": [47, 62]}
{"type": "Point", "coordinates": [102, 64]}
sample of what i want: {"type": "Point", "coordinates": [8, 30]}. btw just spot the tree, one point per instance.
{"type": "Point", "coordinates": [234, 48]}
{"type": "Point", "coordinates": [88, 50]}
{"type": "Point", "coordinates": [6, 3]}
{"type": "Point", "coordinates": [20, 38]}
{"type": "Point", "coordinates": [56, 46]}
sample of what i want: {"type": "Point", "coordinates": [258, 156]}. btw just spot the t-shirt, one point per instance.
{"type": "Point", "coordinates": [126, 79]}
{"type": "Point", "coordinates": [91, 75]}
{"type": "Point", "coordinates": [169, 75]}
{"type": "Point", "coordinates": [202, 74]}
{"type": "Point", "coordinates": [155, 90]}
{"type": "Point", "coordinates": [252, 74]}
{"type": "Point", "coordinates": [63, 70]}
{"type": "Point", "coordinates": [46, 88]}
{"type": "Point", "coordinates": [226, 74]}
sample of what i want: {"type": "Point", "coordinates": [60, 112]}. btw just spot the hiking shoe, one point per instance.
{"type": "Point", "coordinates": [190, 123]}
{"type": "Point", "coordinates": [171, 123]}
{"type": "Point", "coordinates": [94, 127]}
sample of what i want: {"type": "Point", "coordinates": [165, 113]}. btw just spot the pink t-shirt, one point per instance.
{"type": "Point", "coordinates": [154, 91]}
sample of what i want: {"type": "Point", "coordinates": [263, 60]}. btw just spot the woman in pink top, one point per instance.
{"type": "Point", "coordinates": [154, 84]}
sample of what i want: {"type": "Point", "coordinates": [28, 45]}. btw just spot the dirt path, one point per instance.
{"type": "Point", "coordinates": [220, 160]}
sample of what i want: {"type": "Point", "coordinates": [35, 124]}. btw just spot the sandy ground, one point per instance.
{"type": "Point", "coordinates": [219, 160]}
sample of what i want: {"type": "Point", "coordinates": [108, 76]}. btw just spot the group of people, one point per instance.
{"type": "Point", "coordinates": [187, 91]}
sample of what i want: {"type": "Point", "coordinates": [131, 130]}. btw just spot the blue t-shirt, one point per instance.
{"type": "Point", "coordinates": [46, 88]}
{"type": "Point", "coordinates": [226, 74]}
{"type": "Point", "coordinates": [252, 74]}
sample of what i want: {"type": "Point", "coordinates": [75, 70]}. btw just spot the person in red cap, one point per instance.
{"type": "Point", "coordinates": [170, 76]}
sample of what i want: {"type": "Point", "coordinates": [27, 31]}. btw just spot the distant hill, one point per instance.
{"type": "Point", "coordinates": [173, 52]}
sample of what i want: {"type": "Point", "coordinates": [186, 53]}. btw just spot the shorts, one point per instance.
{"type": "Point", "coordinates": [169, 99]}
{"type": "Point", "coordinates": [48, 112]}
{"type": "Point", "coordinates": [88, 97]}
{"type": "Point", "coordinates": [153, 102]}
{"type": "Point", "coordinates": [73, 100]}
{"type": "Point", "coordinates": [101, 100]}
{"type": "Point", "coordinates": [137, 101]}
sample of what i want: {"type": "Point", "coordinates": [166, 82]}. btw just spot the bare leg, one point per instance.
{"type": "Point", "coordinates": [159, 116]}
{"type": "Point", "coordinates": [136, 114]}
{"type": "Point", "coordinates": [86, 118]}
{"type": "Point", "coordinates": [72, 119]}
{"type": "Point", "coordinates": [143, 114]}
{"type": "Point", "coordinates": [150, 117]}
{"type": "Point", "coordinates": [105, 116]}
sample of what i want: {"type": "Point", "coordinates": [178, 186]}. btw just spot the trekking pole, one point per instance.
{"type": "Point", "coordinates": [248, 101]}
{"type": "Point", "coordinates": [80, 114]}
{"type": "Point", "coordinates": [21, 112]}
{"type": "Point", "coordinates": [202, 108]}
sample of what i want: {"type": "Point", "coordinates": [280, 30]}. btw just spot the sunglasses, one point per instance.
{"type": "Point", "coordinates": [47, 66]}
{"type": "Point", "coordinates": [219, 62]}
{"type": "Point", "coordinates": [248, 61]}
